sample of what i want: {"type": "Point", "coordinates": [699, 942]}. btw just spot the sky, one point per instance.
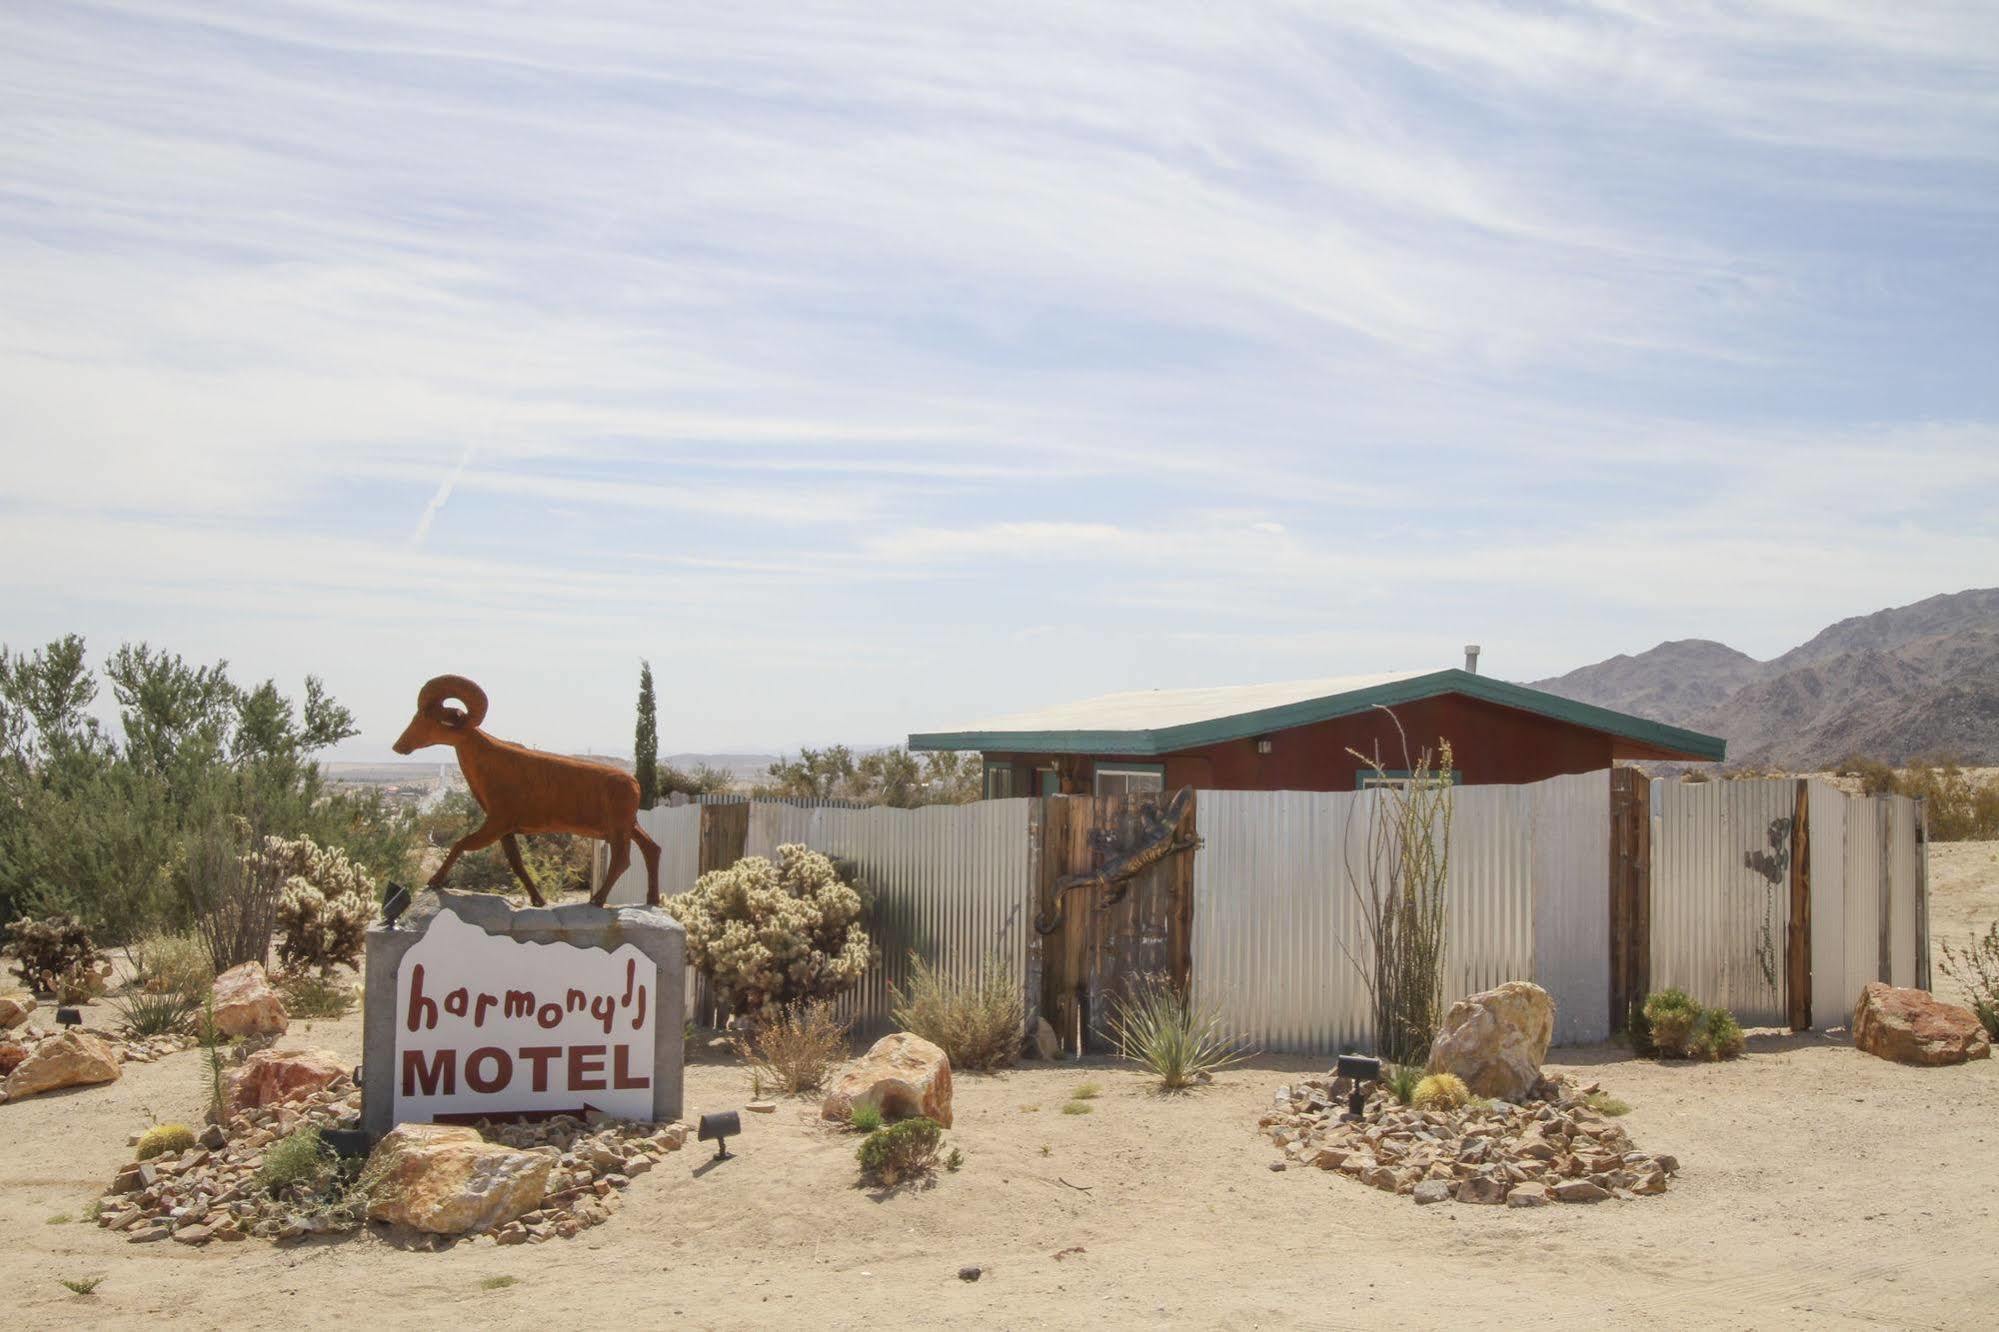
{"type": "Point", "coordinates": [874, 368]}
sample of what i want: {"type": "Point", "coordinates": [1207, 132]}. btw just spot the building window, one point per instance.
{"type": "Point", "coordinates": [1128, 778]}
{"type": "Point", "coordinates": [1367, 779]}
{"type": "Point", "coordinates": [999, 781]}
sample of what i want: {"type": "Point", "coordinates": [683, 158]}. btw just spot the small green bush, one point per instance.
{"type": "Point", "coordinates": [1086, 1091]}
{"type": "Point", "coordinates": [162, 1138]}
{"type": "Point", "coordinates": [1605, 1104]}
{"type": "Point", "coordinates": [308, 994]}
{"type": "Point", "coordinates": [1401, 1081]}
{"type": "Point", "coordinates": [1440, 1091]}
{"type": "Point", "coordinates": [976, 1022]}
{"type": "Point", "coordinates": [294, 1161]}
{"type": "Point", "coordinates": [1670, 1016]}
{"type": "Point", "coordinates": [82, 1285]}
{"type": "Point", "coordinates": [48, 950]}
{"type": "Point", "coordinates": [1717, 1035]}
{"type": "Point", "coordinates": [1077, 1108]}
{"type": "Point", "coordinates": [865, 1118]}
{"type": "Point", "coordinates": [900, 1152]}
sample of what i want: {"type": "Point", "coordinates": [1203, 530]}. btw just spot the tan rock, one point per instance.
{"type": "Point", "coordinates": [71, 1059]}
{"type": "Point", "coordinates": [1580, 1190]}
{"type": "Point", "coordinates": [1529, 1195]}
{"type": "Point", "coordinates": [1915, 1027]}
{"type": "Point", "coordinates": [1495, 1040]}
{"type": "Point", "coordinates": [1480, 1189]}
{"type": "Point", "coordinates": [246, 1005]}
{"type": "Point", "coordinates": [446, 1180]}
{"type": "Point", "coordinates": [11, 1055]}
{"type": "Point", "coordinates": [273, 1077]}
{"type": "Point", "coordinates": [15, 1005]}
{"type": "Point", "coordinates": [902, 1075]}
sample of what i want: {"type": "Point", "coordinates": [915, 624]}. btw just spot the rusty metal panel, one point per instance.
{"type": "Point", "coordinates": [677, 829]}
{"type": "Point", "coordinates": [1720, 900]}
{"type": "Point", "coordinates": [952, 883]}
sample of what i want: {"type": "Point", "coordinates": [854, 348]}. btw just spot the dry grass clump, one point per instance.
{"type": "Point", "coordinates": [977, 1023]}
{"type": "Point", "coordinates": [794, 1049]}
{"type": "Point", "coordinates": [1440, 1091]}
{"type": "Point", "coordinates": [171, 964]}
{"type": "Point", "coordinates": [309, 995]}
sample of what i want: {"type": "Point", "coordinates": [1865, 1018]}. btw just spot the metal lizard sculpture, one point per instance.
{"type": "Point", "coordinates": [1157, 841]}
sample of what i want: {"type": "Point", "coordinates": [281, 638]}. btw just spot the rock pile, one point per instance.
{"type": "Point", "coordinates": [211, 1191]}
{"type": "Point", "coordinates": [1550, 1147]}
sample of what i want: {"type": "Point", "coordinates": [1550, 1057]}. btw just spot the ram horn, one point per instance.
{"type": "Point", "coordinates": [430, 700]}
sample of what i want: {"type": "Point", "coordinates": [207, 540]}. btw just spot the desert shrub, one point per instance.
{"type": "Point", "coordinates": [1605, 1104]}
{"type": "Point", "coordinates": [324, 904]}
{"type": "Point", "coordinates": [793, 1049]}
{"type": "Point", "coordinates": [1958, 805]}
{"type": "Point", "coordinates": [295, 1161]}
{"type": "Point", "coordinates": [1976, 971]}
{"type": "Point", "coordinates": [1717, 1035]}
{"type": "Point", "coordinates": [233, 905]}
{"type": "Point", "coordinates": [81, 1285]}
{"type": "Point", "coordinates": [1077, 1108]}
{"type": "Point", "coordinates": [166, 1013]}
{"type": "Point", "coordinates": [899, 1152]}
{"type": "Point", "coordinates": [1670, 1016]}
{"type": "Point", "coordinates": [1401, 1080]}
{"type": "Point", "coordinates": [769, 933]}
{"type": "Point", "coordinates": [162, 1138]}
{"type": "Point", "coordinates": [865, 1118]}
{"type": "Point", "coordinates": [977, 1022]}
{"type": "Point", "coordinates": [1086, 1091]}
{"type": "Point", "coordinates": [1399, 884]}
{"type": "Point", "coordinates": [46, 950]}
{"type": "Point", "coordinates": [1440, 1091]}
{"type": "Point", "coordinates": [308, 995]}
{"type": "Point", "coordinates": [1178, 1041]}
{"type": "Point", "coordinates": [171, 964]}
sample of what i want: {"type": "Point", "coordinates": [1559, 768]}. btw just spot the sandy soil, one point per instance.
{"type": "Point", "coordinates": [1820, 1187]}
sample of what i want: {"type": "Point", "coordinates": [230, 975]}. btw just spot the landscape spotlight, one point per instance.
{"type": "Point", "coordinates": [397, 902]}
{"type": "Point", "coordinates": [721, 1126]}
{"type": "Point", "coordinates": [69, 1017]}
{"type": "Point", "coordinates": [346, 1144]}
{"type": "Point", "coordinates": [1362, 1070]}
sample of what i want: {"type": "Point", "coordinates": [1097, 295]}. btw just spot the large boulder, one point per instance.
{"type": "Point", "coordinates": [246, 1005]}
{"type": "Point", "coordinates": [71, 1059]}
{"type": "Point", "coordinates": [1496, 1040]}
{"type": "Point", "coordinates": [902, 1076]}
{"type": "Point", "coordinates": [1915, 1027]}
{"type": "Point", "coordinates": [15, 1005]}
{"type": "Point", "coordinates": [272, 1077]}
{"type": "Point", "coordinates": [446, 1180]}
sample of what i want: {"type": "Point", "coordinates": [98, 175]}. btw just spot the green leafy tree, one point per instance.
{"type": "Point", "coordinates": [645, 749]}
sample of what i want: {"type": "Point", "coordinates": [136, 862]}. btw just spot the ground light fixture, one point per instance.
{"type": "Point", "coordinates": [69, 1017]}
{"type": "Point", "coordinates": [397, 902]}
{"type": "Point", "coordinates": [1363, 1070]}
{"type": "Point", "coordinates": [720, 1127]}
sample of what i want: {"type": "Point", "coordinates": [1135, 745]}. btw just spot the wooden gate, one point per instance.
{"type": "Point", "coordinates": [1099, 947]}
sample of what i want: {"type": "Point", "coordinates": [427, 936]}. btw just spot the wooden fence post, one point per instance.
{"type": "Point", "coordinates": [1798, 939]}
{"type": "Point", "coordinates": [1630, 891]}
{"type": "Point", "coordinates": [725, 835]}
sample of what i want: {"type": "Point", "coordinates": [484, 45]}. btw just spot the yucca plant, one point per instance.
{"type": "Point", "coordinates": [157, 1013]}
{"type": "Point", "coordinates": [1177, 1040]}
{"type": "Point", "coordinates": [1402, 1080]}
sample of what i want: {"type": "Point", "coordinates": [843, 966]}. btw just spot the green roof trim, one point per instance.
{"type": "Point", "coordinates": [1242, 726]}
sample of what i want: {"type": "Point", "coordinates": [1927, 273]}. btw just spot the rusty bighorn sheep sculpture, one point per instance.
{"type": "Point", "coordinates": [527, 791]}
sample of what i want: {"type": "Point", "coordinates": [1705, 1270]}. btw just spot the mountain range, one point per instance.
{"type": "Point", "coordinates": [1909, 682]}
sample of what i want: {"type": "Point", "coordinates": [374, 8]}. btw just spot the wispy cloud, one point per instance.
{"type": "Point", "coordinates": [843, 364]}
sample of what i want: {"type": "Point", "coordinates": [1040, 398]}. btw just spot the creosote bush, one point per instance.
{"type": "Point", "coordinates": [295, 1162]}
{"type": "Point", "coordinates": [1717, 1035]}
{"type": "Point", "coordinates": [775, 933]}
{"type": "Point", "coordinates": [1178, 1041]}
{"type": "Point", "coordinates": [1976, 971]}
{"type": "Point", "coordinates": [1440, 1091]}
{"type": "Point", "coordinates": [171, 964]}
{"type": "Point", "coordinates": [793, 1049]}
{"type": "Point", "coordinates": [977, 1023]}
{"type": "Point", "coordinates": [162, 1138]}
{"type": "Point", "coordinates": [900, 1152]}
{"type": "Point", "coordinates": [47, 950]}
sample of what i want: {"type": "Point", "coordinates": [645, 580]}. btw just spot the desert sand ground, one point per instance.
{"type": "Point", "coordinates": [1820, 1188]}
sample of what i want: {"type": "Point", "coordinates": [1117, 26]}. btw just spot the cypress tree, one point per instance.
{"type": "Point", "coordinates": [645, 751]}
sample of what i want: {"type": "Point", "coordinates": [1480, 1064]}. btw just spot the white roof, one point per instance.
{"type": "Point", "coordinates": [1155, 709]}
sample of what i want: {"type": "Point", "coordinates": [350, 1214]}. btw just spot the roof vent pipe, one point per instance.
{"type": "Point", "coordinates": [1471, 659]}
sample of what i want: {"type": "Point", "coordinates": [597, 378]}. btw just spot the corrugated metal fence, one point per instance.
{"type": "Point", "coordinates": [951, 883]}
{"type": "Point", "coordinates": [1279, 938]}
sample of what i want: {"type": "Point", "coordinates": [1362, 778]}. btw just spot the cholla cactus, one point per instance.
{"type": "Point", "coordinates": [775, 933]}
{"type": "Point", "coordinates": [324, 905]}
